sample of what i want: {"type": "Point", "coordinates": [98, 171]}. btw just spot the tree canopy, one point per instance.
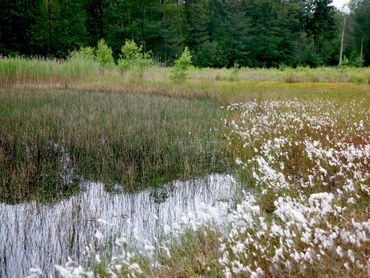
{"type": "Point", "coordinates": [254, 33]}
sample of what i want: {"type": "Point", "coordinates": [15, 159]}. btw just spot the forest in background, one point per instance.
{"type": "Point", "coordinates": [219, 33]}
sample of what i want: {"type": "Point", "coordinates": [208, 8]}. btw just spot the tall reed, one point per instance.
{"type": "Point", "coordinates": [134, 140]}
{"type": "Point", "coordinates": [20, 71]}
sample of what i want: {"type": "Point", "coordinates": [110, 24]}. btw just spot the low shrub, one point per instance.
{"type": "Point", "coordinates": [133, 58]}
{"type": "Point", "coordinates": [104, 54]}
{"type": "Point", "coordinates": [181, 66]}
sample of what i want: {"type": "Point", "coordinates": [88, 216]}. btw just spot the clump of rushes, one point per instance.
{"type": "Point", "coordinates": [192, 253]}
{"type": "Point", "coordinates": [133, 140]}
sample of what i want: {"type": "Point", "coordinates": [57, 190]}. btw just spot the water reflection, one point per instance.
{"type": "Point", "coordinates": [33, 234]}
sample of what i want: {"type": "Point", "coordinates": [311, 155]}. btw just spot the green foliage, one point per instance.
{"type": "Point", "coordinates": [321, 25]}
{"type": "Point", "coordinates": [256, 33]}
{"type": "Point", "coordinates": [173, 31]}
{"type": "Point", "coordinates": [84, 53]}
{"type": "Point", "coordinates": [345, 62]}
{"type": "Point", "coordinates": [104, 54]}
{"type": "Point", "coordinates": [133, 58]}
{"type": "Point", "coordinates": [209, 54]}
{"type": "Point", "coordinates": [181, 66]}
{"type": "Point", "coordinates": [360, 36]}
{"type": "Point", "coordinates": [130, 51]}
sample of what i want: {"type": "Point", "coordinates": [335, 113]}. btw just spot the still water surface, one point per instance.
{"type": "Point", "coordinates": [39, 235]}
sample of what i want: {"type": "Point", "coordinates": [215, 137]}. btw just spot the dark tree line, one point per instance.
{"type": "Point", "coordinates": [253, 33]}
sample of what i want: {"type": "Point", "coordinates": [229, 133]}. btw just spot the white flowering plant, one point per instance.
{"type": "Point", "coordinates": [309, 161]}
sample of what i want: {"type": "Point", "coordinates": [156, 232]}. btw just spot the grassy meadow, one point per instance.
{"type": "Point", "coordinates": [223, 85]}
{"type": "Point", "coordinates": [297, 138]}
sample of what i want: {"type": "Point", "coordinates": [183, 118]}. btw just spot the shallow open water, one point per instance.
{"type": "Point", "coordinates": [39, 235]}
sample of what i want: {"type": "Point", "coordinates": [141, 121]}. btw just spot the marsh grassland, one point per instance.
{"type": "Point", "coordinates": [297, 142]}
{"type": "Point", "coordinates": [133, 140]}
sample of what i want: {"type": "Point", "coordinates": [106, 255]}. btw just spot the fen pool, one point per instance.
{"type": "Point", "coordinates": [43, 235]}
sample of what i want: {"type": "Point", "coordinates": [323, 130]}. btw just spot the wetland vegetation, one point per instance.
{"type": "Point", "coordinates": [142, 139]}
{"type": "Point", "coordinates": [51, 140]}
{"type": "Point", "coordinates": [300, 148]}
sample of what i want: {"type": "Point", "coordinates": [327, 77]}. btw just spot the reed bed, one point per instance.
{"type": "Point", "coordinates": [51, 139]}
{"type": "Point", "coordinates": [225, 86]}
{"type": "Point", "coordinates": [19, 71]}
{"type": "Point", "coordinates": [80, 72]}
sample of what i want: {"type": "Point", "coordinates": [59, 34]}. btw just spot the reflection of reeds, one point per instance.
{"type": "Point", "coordinates": [44, 235]}
{"type": "Point", "coordinates": [134, 140]}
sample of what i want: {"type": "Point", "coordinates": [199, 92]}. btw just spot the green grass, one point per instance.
{"type": "Point", "coordinates": [193, 254]}
{"type": "Point", "coordinates": [289, 75]}
{"type": "Point", "coordinates": [20, 71]}
{"type": "Point", "coordinates": [79, 72]}
{"type": "Point", "coordinates": [138, 139]}
{"type": "Point", "coordinates": [144, 132]}
{"type": "Point", "coordinates": [134, 140]}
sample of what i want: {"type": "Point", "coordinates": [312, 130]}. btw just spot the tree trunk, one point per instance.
{"type": "Point", "coordinates": [362, 49]}
{"type": "Point", "coordinates": [49, 27]}
{"type": "Point", "coordinates": [143, 40]}
{"type": "Point", "coordinates": [342, 43]}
